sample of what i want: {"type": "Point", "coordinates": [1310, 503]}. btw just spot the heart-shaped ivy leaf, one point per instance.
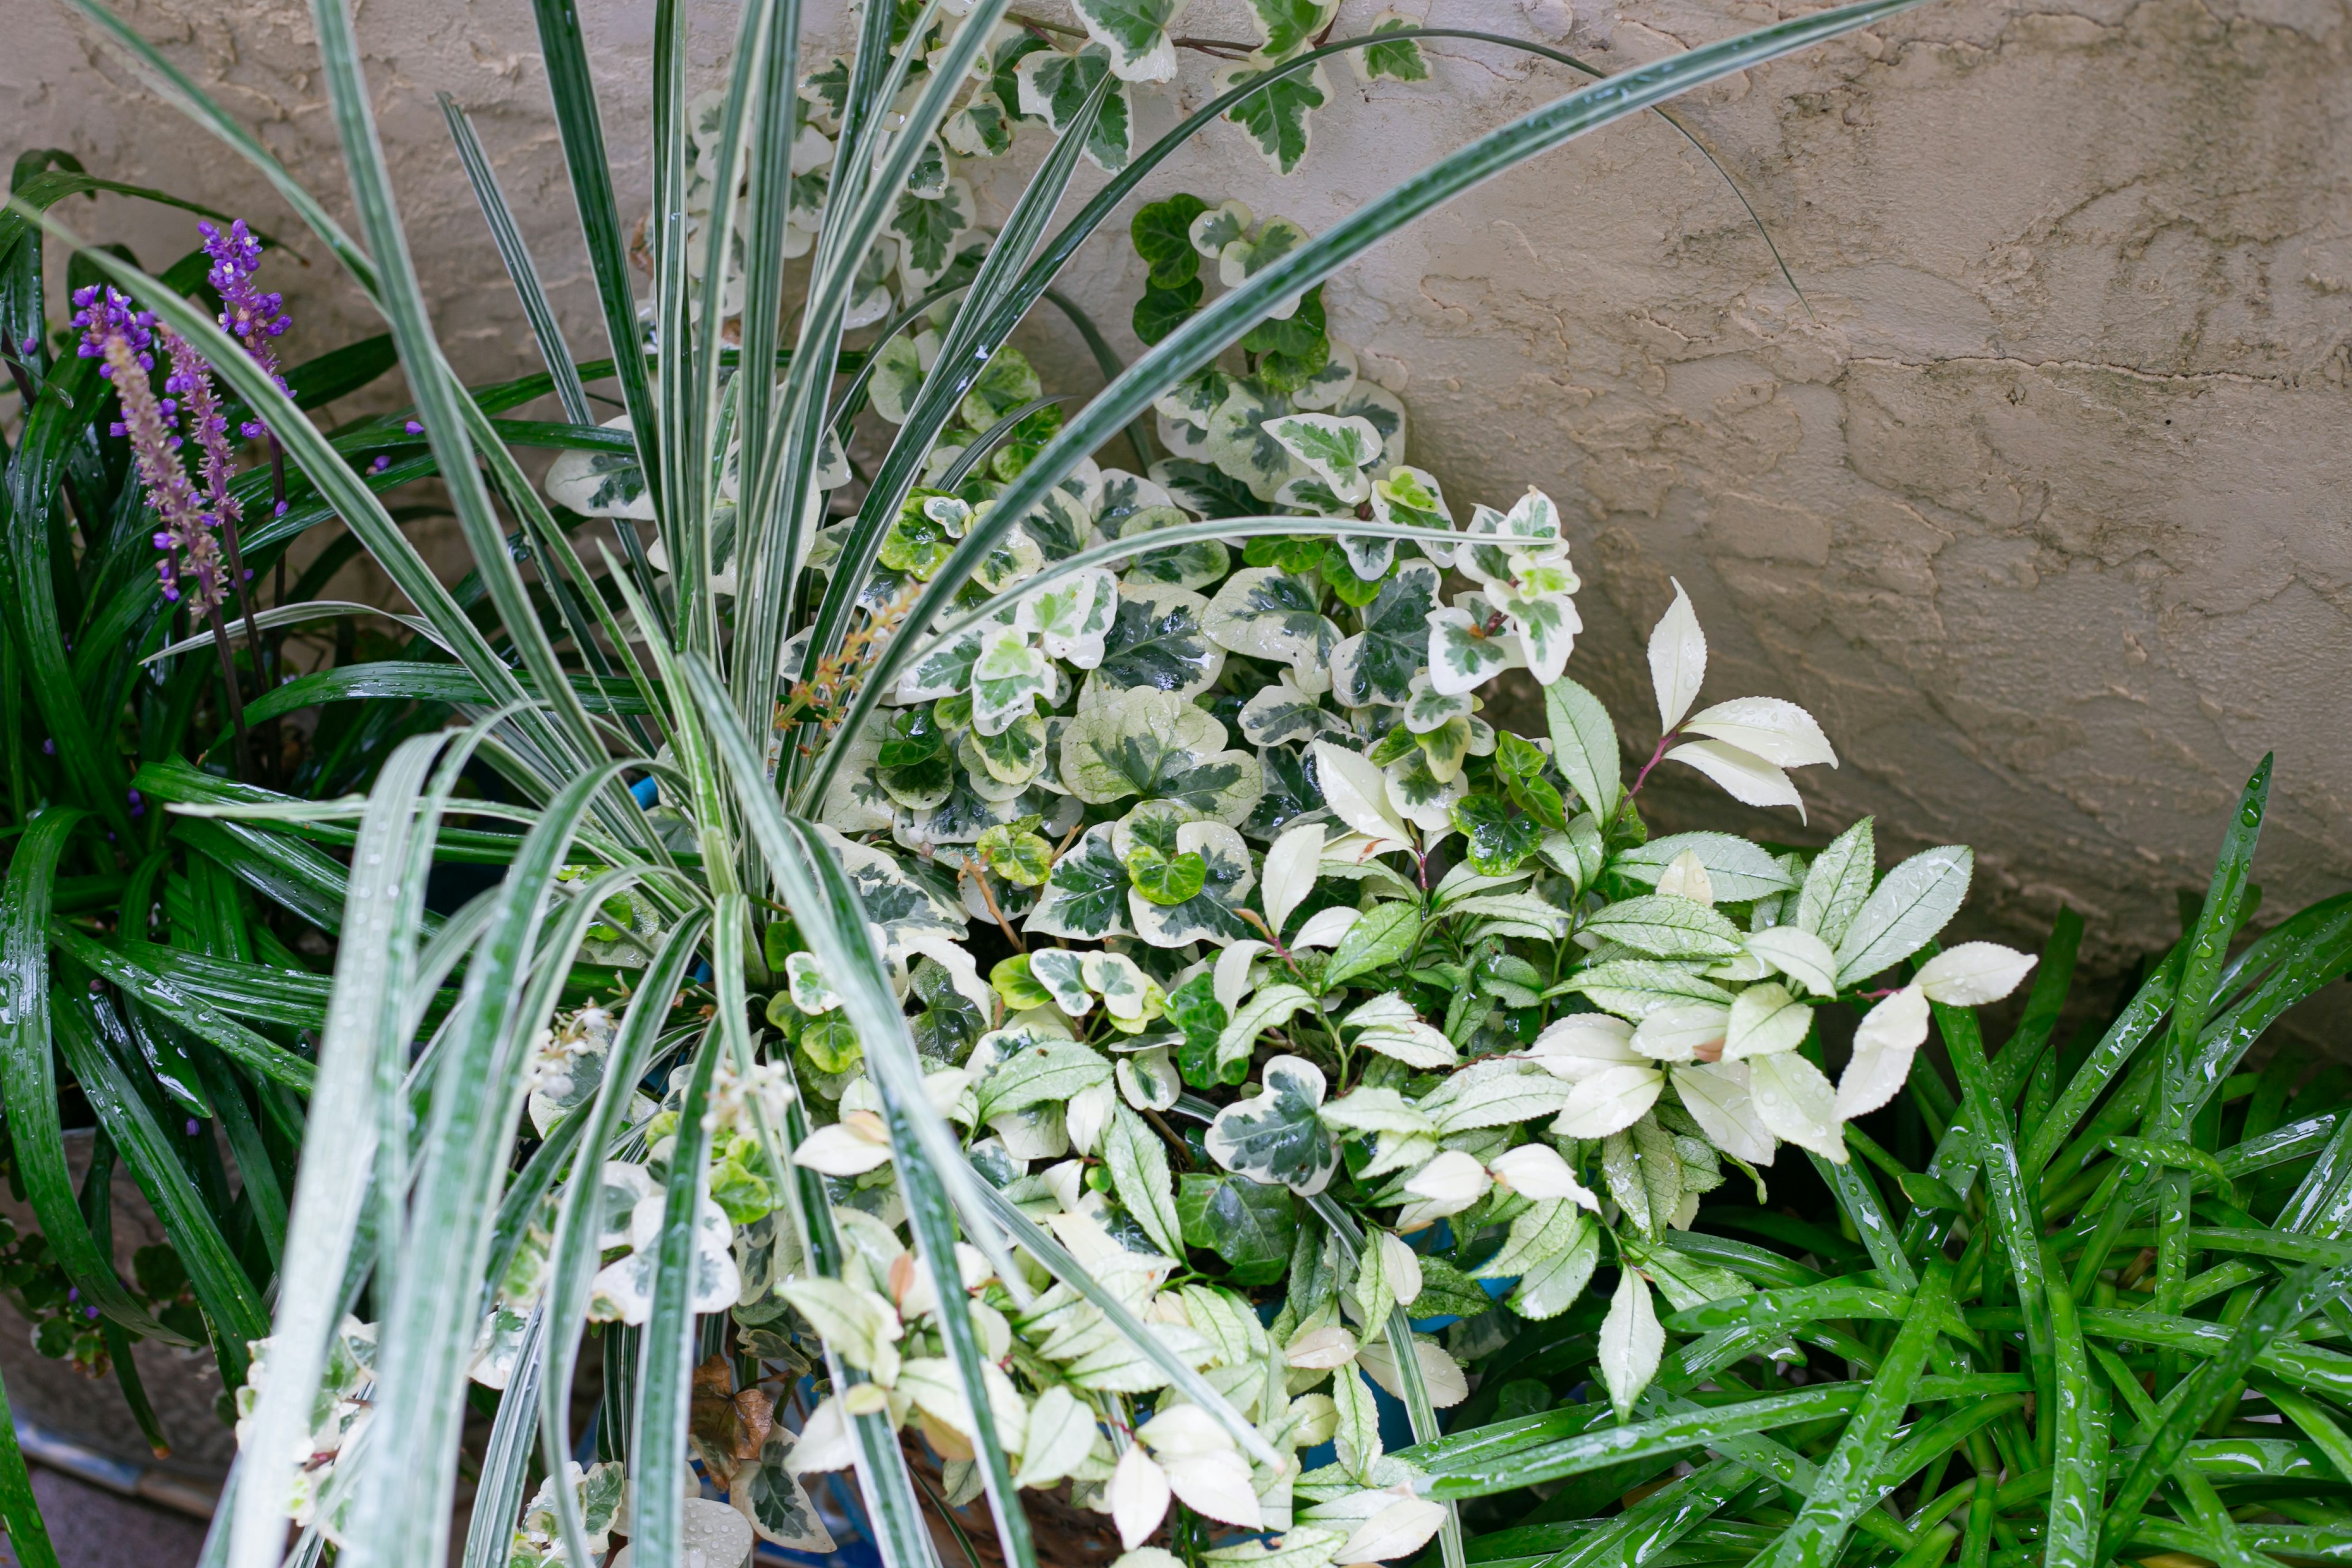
{"type": "Point", "coordinates": [1166, 878]}
{"type": "Point", "coordinates": [1275, 1135]}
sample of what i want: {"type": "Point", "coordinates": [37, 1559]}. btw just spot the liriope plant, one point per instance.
{"type": "Point", "coordinates": [855, 701]}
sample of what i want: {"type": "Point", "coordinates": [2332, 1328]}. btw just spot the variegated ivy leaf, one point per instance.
{"type": "Point", "coordinates": [1062, 973]}
{"type": "Point", "coordinates": [1338, 450]}
{"type": "Point", "coordinates": [1124, 495]}
{"type": "Point", "coordinates": [869, 296]}
{"type": "Point", "coordinates": [1219, 226]}
{"type": "Point", "coordinates": [1193, 400]}
{"type": "Point", "coordinates": [1444, 748]}
{"type": "Point", "coordinates": [899, 369]}
{"type": "Point", "coordinates": [979, 129]}
{"type": "Point", "coordinates": [1546, 621]}
{"type": "Point", "coordinates": [1086, 898]}
{"type": "Point", "coordinates": [1399, 59]}
{"type": "Point", "coordinates": [599, 483]}
{"type": "Point", "coordinates": [1210, 914]}
{"type": "Point", "coordinates": [1238, 444]}
{"type": "Point", "coordinates": [770, 1496]}
{"type": "Point", "coordinates": [1054, 86]}
{"type": "Point", "coordinates": [1157, 642]}
{"type": "Point", "coordinates": [1007, 679]}
{"type": "Point", "coordinates": [1128, 995]}
{"type": "Point", "coordinates": [1420, 796]}
{"type": "Point", "coordinates": [1332, 383]}
{"type": "Point", "coordinates": [1378, 663]}
{"type": "Point", "coordinates": [1264, 612]}
{"type": "Point", "coordinates": [1015, 559]}
{"type": "Point", "coordinates": [1282, 712]}
{"type": "Point", "coordinates": [1059, 525]}
{"type": "Point", "coordinates": [1136, 34]}
{"type": "Point", "coordinates": [1287, 27]}
{"type": "Point", "coordinates": [1193, 567]}
{"type": "Point", "coordinates": [1368, 400]}
{"type": "Point", "coordinates": [1157, 745]}
{"type": "Point", "coordinates": [1464, 653]}
{"type": "Point", "coordinates": [1275, 1136]}
{"type": "Point", "coordinates": [891, 897]}
{"type": "Point", "coordinates": [1072, 617]}
{"type": "Point", "coordinates": [1012, 757]}
{"type": "Point", "coordinates": [929, 177]}
{"type": "Point", "coordinates": [1245, 258]}
{"type": "Point", "coordinates": [1427, 709]}
{"type": "Point", "coordinates": [1310, 493]}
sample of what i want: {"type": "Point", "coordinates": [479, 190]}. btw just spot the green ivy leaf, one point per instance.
{"type": "Point", "coordinates": [1499, 840]}
{"type": "Point", "coordinates": [1162, 310]}
{"type": "Point", "coordinates": [1250, 1225]}
{"type": "Point", "coordinates": [915, 736]}
{"type": "Point", "coordinates": [1162, 233]}
{"type": "Point", "coordinates": [1013, 980]}
{"type": "Point", "coordinates": [1302, 336]}
{"type": "Point", "coordinates": [1520, 765]}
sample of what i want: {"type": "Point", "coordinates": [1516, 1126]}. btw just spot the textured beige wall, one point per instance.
{"type": "Point", "coordinates": [2043, 510]}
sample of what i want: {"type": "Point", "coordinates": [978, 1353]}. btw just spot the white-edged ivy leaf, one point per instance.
{"type": "Point", "coordinates": [1908, 906]}
{"type": "Point", "coordinates": [1212, 912]}
{"type": "Point", "coordinates": [1085, 898]}
{"type": "Point", "coordinates": [1155, 746]}
{"type": "Point", "coordinates": [1275, 1136]}
{"type": "Point", "coordinates": [1339, 451]}
{"type": "Point", "coordinates": [1378, 663]}
{"type": "Point", "coordinates": [1282, 712]}
{"type": "Point", "coordinates": [1237, 441]}
{"type": "Point", "coordinates": [1054, 86]}
{"type": "Point", "coordinates": [1262, 612]}
{"type": "Point", "coordinates": [1136, 34]}
{"type": "Point", "coordinates": [1285, 27]}
{"type": "Point", "coordinates": [1158, 641]}
{"type": "Point", "coordinates": [1276, 115]}
{"type": "Point", "coordinates": [1466, 652]}
{"type": "Point", "coordinates": [928, 229]}
{"type": "Point", "coordinates": [1399, 59]}
{"type": "Point", "coordinates": [1007, 679]}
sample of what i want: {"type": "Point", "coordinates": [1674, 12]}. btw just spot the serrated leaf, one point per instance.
{"type": "Point", "coordinates": [1667, 928]}
{"type": "Point", "coordinates": [1904, 911]}
{"type": "Point", "coordinates": [1139, 1175]}
{"type": "Point", "coordinates": [1584, 745]}
{"type": "Point", "coordinates": [1838, 882]}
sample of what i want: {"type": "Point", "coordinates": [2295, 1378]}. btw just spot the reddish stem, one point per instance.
{"type": "Point", "coordinates": [1657, 756]}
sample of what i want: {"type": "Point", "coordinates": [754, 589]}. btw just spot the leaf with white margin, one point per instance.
{"type": "Point", "coordinates": [1007, 679]}
{"type": "Point", "coordinates": [1072, 617]}
{"type": "Point", "coordinates": [1357, 795]}
{"type": "Point", "coordinates": [1908, 906]}
{"type": "Point", "coordinates": [1796, 1103]}
{"type": "Point", "coordinates": [1237, 441]}
{"type": "Point", "coordinates": [1336, 450]}
{"type": "Point", "coordinates": [1156, 640]}
{"type": "Point", "coordinates": [1743, 775]}
{"type": "Point", "coordinates": [1412, 497]}
{"type": "Point", "coordinates": [1085, 898]}
{"type": "Point", "coordinates": [1140, 1177]}
{"type": "Point", "coordinates": [1463, 656]}
{"type": "Point", "coordinates": [891, 898]}
{"type": "Point", "coordinates": [1439, 1371]}
{"type": "Point", "coordinates": [1147, 1080]}
{"type": "Point", "coordinates": [1139, 1495]}
{"type": "Point", "coordinates": [1275, 1135]}
{"type": "Point", "coordinates": [1264, 612]}
{"type": "Point", "coordinates": [1426, 710]}
{"type": "Point", "coordinates": [1537, 1172]}
{"type": "Point", "coordinates": [1799, 954]}
{"type": "Point", "coordinates": [1885, 1043]}
{"type": "Point", "coordinates": [1136, 34]}
{"type": "Point", "coordinates": [810, 990]}
{"type": "Point", "coordinates": [1678, 659]}
{"type": "Point", "coordinates": [599, 483]}
{"type": "Point", "coordinates": [1331, 383]}
{"type": "Point", "coordinates": [1771, 727]}
{"type": "Point", "coordinates": [1766, 1021]}
{"type": "Point", "coordinates": [1242, 258]}
{"type": "Point", "coordinates": [1610, 1100]}
{"type": "Point", "coordinates": [1546, 623]}
{"type": "Point", "coordinates": [1973, 973]}
{"type": "Point", "coordinates": [1718, 1096]}
{"type": "Point", "coordinates": [1054, 86]}
{"type": "Point", "coordinates": [1378, 663]}
{"type": "Point", "coordinates": [1126, 992]}
{"type": "Point", "coordinates": [1292, 864]}
{"type": "Point", "coordinates": [1282, 712]}
{"type": "Point", "coordinates": [1158, 746]}
{"type": "Point", "coordinates": [1213, 913]}
{"type": "Point", "coordinates": [1632, 1342]}
{"type": "Point", "coordinates": [1388, 1024]}
{"type": "Point", "coordinates": [769, 1495]}
{"type": "Point", "coordinates": [1060, 972]}
{"type": "Point", "coordinates": [1061, 1434]}
{"type": "Point", "coordinates": [1219, 226]}
{"type": "Point", "coordinates": [1838, 882]}
{"type": "Point", "coordinates": [1268, 1009]}
{"type": "Point", "coordinates": [1416, 794]}
{"type": "Point", "coordinates": [1230, 979]}
{"type": "Point", "coordinates": [1678, 1034]}
{"type": "Point", "coordinates": [1287, 27]}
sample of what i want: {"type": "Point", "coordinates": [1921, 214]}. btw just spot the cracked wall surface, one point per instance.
{"type": "Point", "coordinates": [2038, 497]}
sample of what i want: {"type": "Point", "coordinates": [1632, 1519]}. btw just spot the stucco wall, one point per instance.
{"type": "Point", "coordinates": [2042, 509]}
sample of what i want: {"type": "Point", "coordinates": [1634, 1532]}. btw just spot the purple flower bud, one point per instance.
{"type": "Point", "coordinates": [283, 508]}
{"type": "Point", "coordinates": [380, 465]}
{"type": "Point", "coordinates": [73, 1293]}
{"type": "Point", "coordinates": [90, 1312]}
{"type": "Point", "coordinates": [192, 1127]}
{"type": "Point", "coordinates": [49, 748]}
{"type": "Point", "coordinates": [414, 429]}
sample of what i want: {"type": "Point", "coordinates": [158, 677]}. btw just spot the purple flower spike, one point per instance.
{"type": "Point", "coordinates": [125, 339]}
{"type": "Point", "coordinates": [249, 314]}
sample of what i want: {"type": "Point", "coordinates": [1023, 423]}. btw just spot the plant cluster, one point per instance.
{"type": "Point", "coordinates": [1042, 964]}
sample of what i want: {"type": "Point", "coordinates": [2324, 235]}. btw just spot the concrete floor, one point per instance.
{"type": "Point", "coordinates": [92, 1528]}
